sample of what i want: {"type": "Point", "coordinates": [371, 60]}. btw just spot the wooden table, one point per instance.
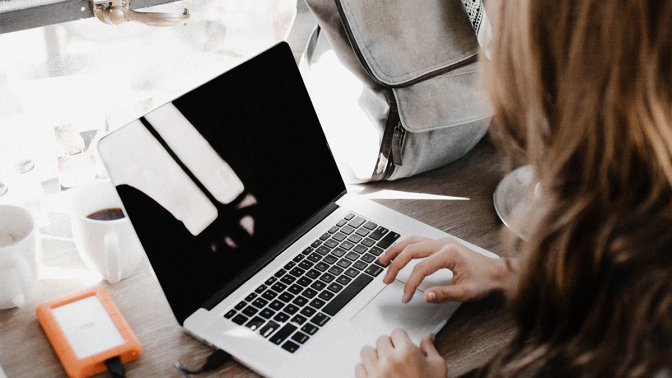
{"type": "Point", "coordinates": [474, 333]}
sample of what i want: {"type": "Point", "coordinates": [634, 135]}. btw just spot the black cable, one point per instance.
{"type": "Point", "coordinates": [214, 361]}
{"type": "Point", "coordinates": [115, 367]}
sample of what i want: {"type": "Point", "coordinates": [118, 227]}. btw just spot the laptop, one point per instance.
{"type": "Point", "coordinates": [253, 237]}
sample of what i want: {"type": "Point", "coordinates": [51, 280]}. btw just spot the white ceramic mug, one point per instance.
{"type": "Point", "coordinates": [110, 247]}
{"type": "Point", "coordinates": [18, 257]}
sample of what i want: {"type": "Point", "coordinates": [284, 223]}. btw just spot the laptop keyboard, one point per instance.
{"type": "Point", "coordinates": [300, 298]}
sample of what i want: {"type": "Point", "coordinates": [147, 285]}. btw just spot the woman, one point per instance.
{"type": "Point", "coordinates": [582, 90]}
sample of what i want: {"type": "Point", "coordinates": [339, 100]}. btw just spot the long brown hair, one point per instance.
{"type": "Point", "coordinates": [583, 90]}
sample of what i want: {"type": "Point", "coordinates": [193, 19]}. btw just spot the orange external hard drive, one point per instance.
{"type": "Point", "coordinates": [86, 329]}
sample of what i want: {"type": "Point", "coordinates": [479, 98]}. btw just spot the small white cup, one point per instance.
{"type": "Point", "coordinates": [110, 247]}
{"type": "Point", "coordinates": [18, 257]}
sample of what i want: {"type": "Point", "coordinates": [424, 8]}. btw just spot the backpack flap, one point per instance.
{"type": "Point", "coordinates": [402, 42]}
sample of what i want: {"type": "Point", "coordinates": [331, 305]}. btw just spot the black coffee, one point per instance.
{"type": "Point", "coordinates": [107, 214]}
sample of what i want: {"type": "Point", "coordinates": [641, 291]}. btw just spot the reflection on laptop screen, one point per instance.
{"type": "Point", "coordinates": [216, 178]}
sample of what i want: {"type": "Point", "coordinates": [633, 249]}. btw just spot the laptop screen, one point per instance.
{"type": "Point", "coordinates": [215, 179]}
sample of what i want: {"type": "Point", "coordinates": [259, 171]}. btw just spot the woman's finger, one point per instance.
{"type": "Point", "coordinates": [400, 339]}
{"type": "Point", "coordinates": [384, 345]}
{"type": "Point", "coordinates": [427, 346]}
{"type": "Point", "coordinates": [396, 249]}
{"type": "Point", "coordinates": [423, 269]}
{"type": "Point", "coordinates": [412, 251]}
{"type": "Point", "coordinates": [360, 371]}
{"type": "Point", "coordinates": [369, 358]}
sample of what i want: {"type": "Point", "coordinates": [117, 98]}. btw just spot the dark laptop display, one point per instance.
{"type": "Point", "coordinates": [277, 198]}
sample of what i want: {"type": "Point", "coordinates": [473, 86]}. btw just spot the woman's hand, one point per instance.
{"type": "Point", "coordinates": [397, 356]}
{"type": "Point", "coordinates": [474, 275]}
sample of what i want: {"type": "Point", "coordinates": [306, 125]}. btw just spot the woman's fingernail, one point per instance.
{"type": "Point", "coordinates": [404, 299]}
{"type": "Point", "coordinates": [431, 296]}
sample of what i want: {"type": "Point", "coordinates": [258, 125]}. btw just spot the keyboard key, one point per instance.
{"type": "Point", "coordinates": [321, 266]}
{"type": "Point", "coordinates": [290, 309]}
{"type": "Point", "coordinates": [339, 237]}
{"type": "Point", "coordinates": [278, 287]}
{"type": "Point", "coordinates": [305, 265]}
{"type": "Point", "coordinates": [373, 270]}
{"type": "Point", "coordinates": [378, 233]}
{"type": "Point", "coordinates": [318, 285]}
{"type": "Point", "coordinates": [259, 303]}
{"type": "Point", "coordinates": [349, 216]}
{"type": "Point", "coordinates": [313, 274]}
{"type": "Point", "coordinates": [346, 295]}
{"type": "Point", "coordinates": [326, 277]}
{"type": "Point", "coordinates": [270, 281]}
{"type": "Point", "coordinates": [368, 258]}
{"type": "Point", "coordinates": [370, 225]}
{"type": "Point", "coordinates": [320, 319]}
{"type": "Point", "coordinates": [347, 230]}
{"type": "Point", "coordinates": [270, 295]}
{"type": "Point", "coordinates": [280, 273]}
{"type": "Point", "coordinates": [347, 245]}
{"type": "Point", "coordinates": [376, 251]}
{"type": "Point", "coordinates": [266, 313]}
{"type": "Point", "coordinates": [288, 279]}
{"type": "Point", "coordinates": [298, 272]}
{"type": "Point", "coordinates": [326, 295]}
{"type": "Point", "coordinates": [241, 305]}
{"type": "Point", "coordinates": [359, 249]}
{"type": "Point", "coordinates": [308, 311]}
{"type": "Point", "coordinates": [249, 311]}
{"type": "Point", "coordinates": [282, 334]}
{"type": "Point", "coordinates": [335, 287]}
{"type": "Point", "coordinates": [329, 259]}
{"type": "Point", "coordinates": [383, 265]}
{"type": "Point", "coordinates": [304, 281]}
{"type": "Point", "coordinates": [324, 236]}
{"type": "Point", "coordinates": [300, 337]}
{"type": "Point", "coordinates": [358, 221]}
{"type": "Point", "coordinates": [298, 258]}
{"type": "Point", "coordinates": [309, 293]}
{"type": "Point", "coordinates": [335, 270]}
{"type": "Point", "coordinates": [290, 347]}
{"type": "Point", "coordinates": [261, 289]}
{"type": "Point", "coordinates": [352, 272]}
{"type": "Point", "coordinates": [323, 250]}
{"type": "Point", "coordinates": [286, 297]}
{"type": "Point", "coordinates": [333, 230]}
{"type": "Point", "coordinates": [368, 242]}
{"type": "Point", "coordinates": [255, 323]}
{"type": "Point", "coordinates": [309, 329]}
{"type": "Point", "coordinates": [289, 265]}
{"type": "Point", "coordinates": [281, 317]}
{"type": "Point", "coordinates": [360, 265]}
{"type": "Point", "coordinates": [276, 305]}
{"type": "Point", "coordinates": [362, 232]}
{"type": "Point", "coordinates": [230, 314]}
{"type": "Point", "coordinates": [239, 319]}
{"type": "Point", "coordinates": [299, 319]}
{"type": "Point", "coordinates": [344, 263]}
{"type": "Point", "coordinates": [317, 303]}
{"type": "Point", "coordinates": [300, 301]}
{"type": "Point", "coordinates": [354, 239]}
{"type": "Point", "coordinates": [269, 328]}
{"type": "Point", "coordinates": [341, 223]}
{"type": "Point", "coordinates": [314, 257]}
{"type": "Point", "coordinates": [388, 240]}
{"type": "Point", "coordinates": [295, 289]}
{"type": "Point", "coordinates": [344, 280]}
{"type": "Point", "coordinates": [307, 251]}
{"type": "Point", "coordinates": [331, 243]}
{"type": "Point", "coordinates": [352, 256]}
{"type": "Point", "coordinates": [338, 252]}
{"type": "Point", "coordinates": [316, 243]}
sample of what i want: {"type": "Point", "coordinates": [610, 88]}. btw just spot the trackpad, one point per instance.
{"type": "Point", "coordinates": [386, 312]}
